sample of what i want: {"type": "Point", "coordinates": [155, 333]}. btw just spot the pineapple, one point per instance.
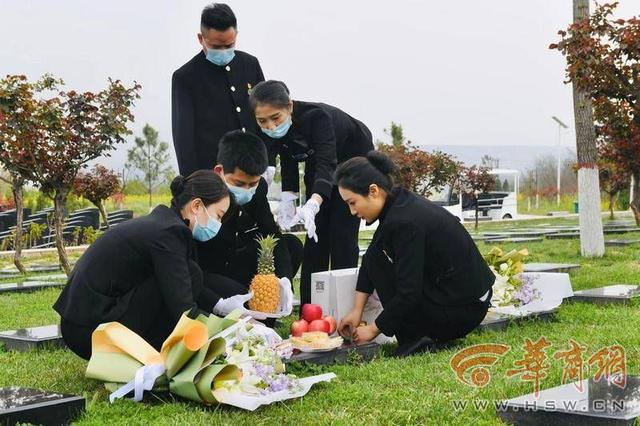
{"type": "Point", "coordinates": [265, 285]}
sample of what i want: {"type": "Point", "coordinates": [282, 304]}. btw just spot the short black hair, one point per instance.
{"type": "Point", "coordinates": [243, 150]}
{"type": "Point", "coordinates": [217, 16]}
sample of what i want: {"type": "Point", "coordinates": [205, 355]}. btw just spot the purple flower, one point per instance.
{"type": "Point", "coordinates": [526, 293]}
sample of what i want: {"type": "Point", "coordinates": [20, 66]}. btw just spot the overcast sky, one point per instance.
{"type": "Point", "coordinates": [451, 72]}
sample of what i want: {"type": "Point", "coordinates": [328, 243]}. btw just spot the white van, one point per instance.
{"type": "Point", "coordinates": [501, 203]}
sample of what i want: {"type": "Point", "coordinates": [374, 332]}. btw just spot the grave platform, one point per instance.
{"type": "Point", "coordinates": [25, 339]}
{"type": "Point", "coordinates": [25, 405]}
{"type": "Point", "coordinates": [582, 403]}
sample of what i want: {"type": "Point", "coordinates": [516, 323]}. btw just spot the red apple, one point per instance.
{"type": "Point", "coordinates": [332, 323]}
{"type": "Point", "coordinates": [311, 312]}
{"type": "Point", "coordinates": [319, 325]}
{"type": "Point", "coordinates": [299, 327]}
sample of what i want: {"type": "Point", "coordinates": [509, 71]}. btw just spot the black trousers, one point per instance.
{"type": "Point", "coordinates": [147, 314]}
{"type": "Point", "coordinates": [442, 323]}
{"type": "Point", "coordinates": [429, 319]}
{"type": "Point", "coordinates": [337, 245]}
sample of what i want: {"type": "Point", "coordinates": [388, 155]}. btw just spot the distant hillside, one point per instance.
{"type": "Point", "coordinates": [511, 156]}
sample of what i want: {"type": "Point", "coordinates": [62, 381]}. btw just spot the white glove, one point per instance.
{"type": "Point", "coordinates": [307, 215]}
{"type": "Point", "coordinates": [286, 296]}
{"type": "Point", "coordinates": [269, 174]}
{"type": "Point", "coordinates": [286, 210]}
{"type": "Point", "coordinates": [226, 306]}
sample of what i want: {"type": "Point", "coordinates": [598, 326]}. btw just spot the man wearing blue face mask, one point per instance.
{"type": "Point", "coordinates": [233, 253]}
{"type": "Point", "coordinates": [210, 92]}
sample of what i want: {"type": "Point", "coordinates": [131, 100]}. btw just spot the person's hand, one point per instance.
{"type": "Point", "coordinates": [365, 333]}
{"type": "Point", "coordinates": [286, 296]}
{"type": "Point", "coordinates": [226, 306]}
{"type": "Point", "coordinates": [269, 174]}
{"type": "Point", "coordinates": [286, 210]}
{"type": "Point", "coordinates": [307, 215]}
{"type": "Point", "coordinates": [352, 319]}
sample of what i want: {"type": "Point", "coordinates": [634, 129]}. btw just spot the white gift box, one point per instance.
{"type": "Point", "coordinates": [335, 292]}
{"type": "Point", "coordinates": [552, 289]}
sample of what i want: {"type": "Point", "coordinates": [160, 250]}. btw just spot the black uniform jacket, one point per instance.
{"type": "Point", "coordinates": [322, 136]}
{"type": "Point", "coordinates": [157, 246]}
{"type": "Point", "coordinates": [429, 255]}
{"type": "Point", "coordinates": [208, 101]}
{"type": "Point", "coordinates": [233, 250]}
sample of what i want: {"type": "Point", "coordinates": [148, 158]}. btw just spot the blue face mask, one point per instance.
{"type": "Point", "coordinates": [242, 195]}
{"type": "Point", "coordinates": [205, 233]}
{"type": "Point", "coordinates": [220, 57]}
{"type": "Point", "coordinates": [279, 131]}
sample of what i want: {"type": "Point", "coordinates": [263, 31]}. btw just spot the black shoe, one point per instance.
{"type": "Point", "coordinates": [412, 347]}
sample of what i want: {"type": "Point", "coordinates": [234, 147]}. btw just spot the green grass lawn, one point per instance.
{"type": "Point", "coordinates": [415, 390]}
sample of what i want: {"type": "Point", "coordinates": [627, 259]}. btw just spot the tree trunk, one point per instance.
{"type": "Point", "coordinates": [612, 202]}
{"type": "Point", "coordinates": [17, 183]}
{"type": "Point", "coordinates": [635, 202]}
{"type": "Point", "coordinates": [476, 226]}
{"type": "Point", "coordinates": [591, 235]}
{"type": "Point", "coordinates": [103, 213]}
{"type": "Point", "coordinates": [59, 200]}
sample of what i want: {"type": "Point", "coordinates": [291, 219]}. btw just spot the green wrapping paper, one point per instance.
{"type": "Point", "coordinates": [191, 360]}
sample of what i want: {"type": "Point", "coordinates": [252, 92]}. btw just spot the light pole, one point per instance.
{"type": "Point", "coordinates": [561, 126]}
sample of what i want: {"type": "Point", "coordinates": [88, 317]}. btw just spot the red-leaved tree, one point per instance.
{"type": "Point", "coordinates": [613, 179]}
{"type": "Point", "coordinates": [603, 60]}
{"type": "Point", "coordinates": [419, 171]}
{"type": "Point", "coordinates": [64, 130]}
{"type": "Point", "coordinates": [96, 186]}
{"type": "Point", "coordinates": [474, 181]}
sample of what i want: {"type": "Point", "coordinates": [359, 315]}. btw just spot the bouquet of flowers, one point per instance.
{"type": "Point", "coordinates": [207, 359]}
{"type": "Point", "coordinates": [511, 287]}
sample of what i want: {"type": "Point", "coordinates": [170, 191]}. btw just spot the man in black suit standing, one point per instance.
{"type": "Point", "coordinates": [210, 93]}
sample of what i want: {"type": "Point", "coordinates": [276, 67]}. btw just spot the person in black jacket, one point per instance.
{"type": "Point", "coordinates": [233, 254]}
{"type": "Point", "coordinates": [322, 136]}
{"type": "Point", "coordinates": [142, 273]}
{"type": "Point", "coordinates": [432, 281]}
{"type": "Point", "coordinates": [209, 94]}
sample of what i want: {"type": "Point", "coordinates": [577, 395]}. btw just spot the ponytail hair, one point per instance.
{"type": "Point", "coordinates": [271, 92]}
{"type": "Point", "coordinates": [358, 173]}
{"type": "Point", "coordinates": [203, 184]}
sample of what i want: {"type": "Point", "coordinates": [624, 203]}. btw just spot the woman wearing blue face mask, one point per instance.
{"type": "Point", "coordinates": [142, 273]}
{"type": "Point", "coordinates": [321, 136]}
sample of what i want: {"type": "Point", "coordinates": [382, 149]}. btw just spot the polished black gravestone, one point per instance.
{"type": "Point", "coordinates": [366, 352]}
{"type": "Point", "coordinates": [621, 243]}
{"type": "Point", "coordinates": [24, 339]}
{"type": "Point", "coordinates": [496, 321]}
{"type": "Point", "coordinates": [35, 268]}
{"type": "Point", "coordinates": [516, 234]}
{"type": "Point", "coordinates": [27, 286]}
{"type": "Point", "coordinates": [594, 403]}
{"type": "Point", "coordinates": [514, 240]}
{"type": "Point", "coordinates": [619, 293]}
{"type": "Point", "coordinates": [563, 236]}
{"type": "Point", "coordinates": [24, 405]}
{"type": "Point", "coordinates": [549, 267]}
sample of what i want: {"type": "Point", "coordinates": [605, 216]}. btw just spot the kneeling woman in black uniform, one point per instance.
{"type": "Point", "coordinates": [431, 279]}
{"type": "Point", "coordinates": [142, 272]}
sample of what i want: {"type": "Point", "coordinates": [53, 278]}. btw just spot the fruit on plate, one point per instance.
{"type": "Point", "coordinates": [316, 340]}
{"type": "Point", "coordinates": [320, 325]}
{"type": "Point", "coordinates": [333, 325]}
{"type": "Point", "coordinates": [299, 327]}
{"type": "Point", "coordinates": [311, 312]}
{"type": "Point", "coordinates": [265, 285]}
